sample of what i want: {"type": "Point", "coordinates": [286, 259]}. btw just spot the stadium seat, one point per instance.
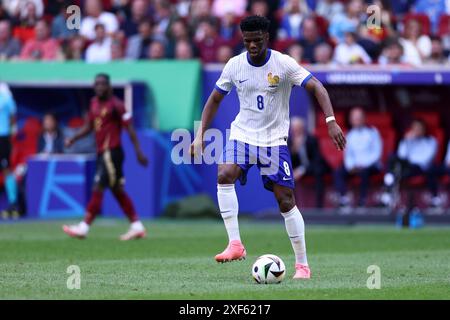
{"type": "Point", "coordinates": [380, 120]}
{"type": "Point", "coordinates": [32, 126]}
{"type": "Point", "coordinates": [431, 118]}
{"type": "Point", "coordinates": [423, 19]}
{"type": "Point", "coordinates": [327, 148]}
{"type": "Point", "coordinates": [444, 25]}
{"type": "Point", "coordinates": [388, 136]}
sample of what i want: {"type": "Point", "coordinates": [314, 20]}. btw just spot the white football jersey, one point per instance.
{"type": "Point", "coordinates": [264, 92]}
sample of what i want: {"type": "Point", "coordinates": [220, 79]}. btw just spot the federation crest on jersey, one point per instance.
{"type": "Point", "coordinates": [273, 80]}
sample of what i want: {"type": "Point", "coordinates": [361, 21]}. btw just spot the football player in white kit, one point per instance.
{"type": "Point", "coordinates": [263, 79]}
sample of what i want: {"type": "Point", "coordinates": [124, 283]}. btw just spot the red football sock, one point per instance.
{"type": "Point", "coordinates": [126, 205]}
{"type": "Point", "coordinates": [94, 206]}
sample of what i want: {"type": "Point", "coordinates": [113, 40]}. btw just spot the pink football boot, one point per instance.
{"type": "Point", "coordinates": [302, 271]}
{"type": "Point", "coordinates": [234, 251]}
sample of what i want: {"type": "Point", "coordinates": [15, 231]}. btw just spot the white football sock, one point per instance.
{"type": "Point", "coordinates": [229, 207]}
{"type": "Point", "coordinates": [295, 228]}
{"type": "Point", "coordinates": [83, 227]}
{"type": "Point", "coordinates": [137, 226]}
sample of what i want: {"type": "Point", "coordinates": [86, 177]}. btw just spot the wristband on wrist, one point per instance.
{"type": "Point", "coordinates": [329, 119]}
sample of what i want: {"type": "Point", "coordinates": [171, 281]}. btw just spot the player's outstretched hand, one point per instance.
{"type": "Point", "coordinates": [336, 135]}
{"type": "Point", "coordinates": [142, 158]}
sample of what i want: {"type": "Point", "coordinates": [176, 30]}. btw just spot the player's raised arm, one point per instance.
{"type": "Point", "coordinates": [208, 114]}
{"type": "Point", "coordinates": [316, 87]}
{"type": "Point", "coordinates": [84, 131]}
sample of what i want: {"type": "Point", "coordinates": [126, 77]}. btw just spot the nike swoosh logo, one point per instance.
{"type": "Point", "coordinates": [284, 178]}
{"type": "Point", "coordinates": [241, 81]}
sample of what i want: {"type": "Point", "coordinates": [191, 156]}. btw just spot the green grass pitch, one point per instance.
{"type": "Point", "coordinates": [176, 261]}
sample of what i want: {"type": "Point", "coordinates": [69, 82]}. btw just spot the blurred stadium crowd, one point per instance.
{"type": "Point", "coordinates": [412, 32]}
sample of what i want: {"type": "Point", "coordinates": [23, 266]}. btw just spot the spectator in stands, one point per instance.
{"type": "Point", "coordinates": [229, 30]}
{"type": "Point", "coordinates": [296, 51]}
{"type": "Point", "coordinates": [293, 14]}
{"type": "Point", "coordinates": [156, 50]}
{"type": "Point", "coordinates": [7, 130]}
{"type": "Point", "coordinates": [139, 14]}
{"type": "Point", "coordinates": [183, 50]}
{"type": "Point", "coordinates": [207, 41]}
{"type": "Point", "coordinates": [51, 140]}
{"type": "Point", "coordinates": [117, 52]}
{"type": "Point", "coordinates": [306, 158]}
{"type": "Point", "coordinates": [349, 21]}
{"type": "Point", "coordinates": [178, 31]}
{"type": "Point", "coordinates": [95, 15]}
{"type": "Point", "coordinates": [392, 53]}
{"type": "Point", "coordinates": [437, 56]}
{"type": "Point", "coordinates": [24, 26]}
{"type": "Point", "coordinates": [415, 156]}
{"type": "Point", "coordinates": [362, 157]}
{"type": "Point", "coordinates": [74, 49]}
{"type": "Point", "coordinates": [60, 30]}
{"type": "Point", "coordinates": [329, 8]}
{"type": "Point", "coordinates": [42, 47]}
{"type": "Point", "coordinates": [99, 51]}
{"type": "Point", "coordinates": [138, 44]}
{"type": "Point", "coordinates": [9, 46]}
{"type": "Point", "coordinates": [163, 17]}
{"type": "Point", "coordinates": [224, 53]}
{"type": "Point", "coordinates": [200, 10]}
{"type": "Point", "coordinates": [220, 8]}
{"type": "Point", "coordinates": [350, 52]}
{"type": "Point", "coordinates": [371, 37]}
{"type": "Point", "coordinates": [323, 54]}
{"type": "Point", "coordinates": [121, 8]}
{"type": "Point", "coordinates": [182, 8]}
{"type": "Point", "coordinates": [310, 39]}
{"type": "Point", "coordinates": [434, 9]}
{"type": "Point", "coordinates": [266, 8]}
{"type": "Point", "coordinates": [416, 46]}
{"type": "Point", "coordinates": [19, 8]}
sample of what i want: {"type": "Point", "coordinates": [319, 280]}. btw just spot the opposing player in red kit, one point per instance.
{"type": "Point", "coordinates": [107, 116]}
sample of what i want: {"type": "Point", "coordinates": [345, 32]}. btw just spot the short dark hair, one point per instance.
{"type": "Point", "coordinates": [255, 23]}
{"type": "Point", "coordinates": [105, 76]}
{"type": "Point", "coordinates": [99, 25]}
{"type": "Point", "coordinates": [436, 38]}
{"type": "Point", "coordinates": [390, 42]}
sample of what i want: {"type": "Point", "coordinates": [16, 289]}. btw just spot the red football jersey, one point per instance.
{"type": "Point", "coordinates": [108, 118]}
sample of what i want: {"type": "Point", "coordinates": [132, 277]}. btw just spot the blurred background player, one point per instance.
{"type": "Point", "coordinates": [7, 128]}
{"type": "Point", "coordinates": [306, 158]}
{"type": "Point", "coordinates": [264, 79]}
{"type": "Point", "coordinates": [362, 157]}
{"type": "Point", "coordinates": [107, 116]}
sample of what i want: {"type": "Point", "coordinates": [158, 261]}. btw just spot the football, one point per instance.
{"type": "Point", "coordinates": [268, 269]}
